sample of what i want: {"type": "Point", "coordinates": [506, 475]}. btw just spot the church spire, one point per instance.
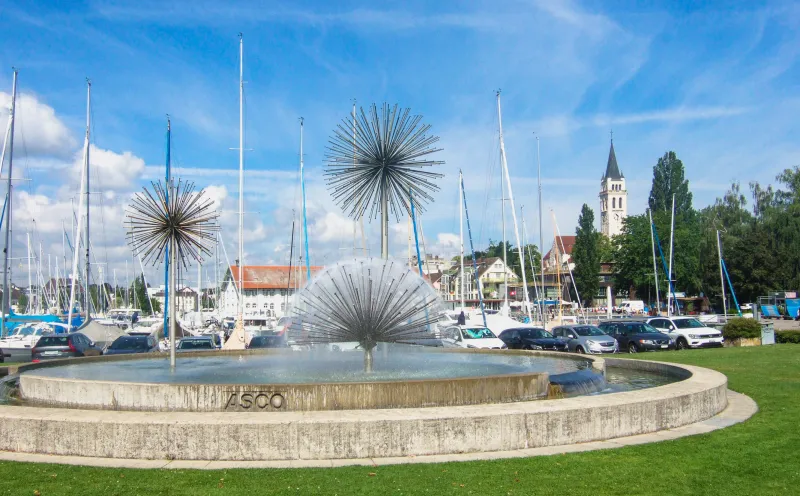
{"type": "Point", "coordinates": [612, 169]}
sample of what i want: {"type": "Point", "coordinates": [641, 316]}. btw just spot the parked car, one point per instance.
{"type": "Point", "coordinates": [586, 339]}
{"type": "Point", "coordinates": [629, 307]}
{"type": "Point", "coordinates": [688, 332]}
{"type": "Point", "coordinates": [64, 346]}
{"type": "Point", "coordinates": [276, 341]}
{"type": "Point", "coordinates": [466, 336]}
{"type": "Point", "coordinates": [637, 336]}
{"type": "Point", "coordinates": [197, 343]}
{"type": "Point", "coordinates": [532, 338]}
{"type": "Point", "coordinates": [124, 345]}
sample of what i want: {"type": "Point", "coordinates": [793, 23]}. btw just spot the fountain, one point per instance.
{"type": "Point", "coordinates": [366, 301]}
{"type": "Point", "coordinates": [388, 399]}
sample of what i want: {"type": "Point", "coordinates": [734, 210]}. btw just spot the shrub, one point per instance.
{"type": "Point", "coordinates": [741, 328]}
{"type": "Point", "coordinates": [787, 337]}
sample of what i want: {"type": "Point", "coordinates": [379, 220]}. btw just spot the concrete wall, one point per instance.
{"type": "Point", "coordinates": [108, 395]}
{"type": "Point", "coordinates": [367, 433]}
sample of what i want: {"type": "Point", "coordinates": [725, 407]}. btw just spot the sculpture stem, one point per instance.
{"type": "Point", "coordinates": [368, 360]}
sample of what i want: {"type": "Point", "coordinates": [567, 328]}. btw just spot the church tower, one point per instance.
{"type": "Point", "coordinates": [613, 197]}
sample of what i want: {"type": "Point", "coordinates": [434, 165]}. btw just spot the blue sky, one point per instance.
{"type": "Point", "coordinates": [717, 84]}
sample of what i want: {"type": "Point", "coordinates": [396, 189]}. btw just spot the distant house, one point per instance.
{"type": "Point", "coordinates": [268, 290]}
{"type": "Point", "coordinates": [492, 273]}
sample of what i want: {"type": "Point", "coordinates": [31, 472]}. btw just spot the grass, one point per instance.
{"type": "Point", "coordinates": [760, 456]}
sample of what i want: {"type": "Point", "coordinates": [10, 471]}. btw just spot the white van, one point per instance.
{"type": "Point", "coordinates": [630, 307]}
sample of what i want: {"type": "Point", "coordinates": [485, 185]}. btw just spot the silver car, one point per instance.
{"type": "Point", "coordinates": [586, 339]}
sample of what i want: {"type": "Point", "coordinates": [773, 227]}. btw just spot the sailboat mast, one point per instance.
{"type": "Point", "coordinates": [669, 276]}
{"type": "Point", "coordinates": [84, 176]}
{"type": "Point", "coordinates": [241, 179]}
{"type": "Point", "coordinates": [503, 206]}
{"type": "Point", "coordinates": [655, 267]}
{"type": "Point", "coordinates": [514, 218]}
{"type": "Point", "coordinates": [541, 234]}
{"type": "Point", "coordinates": [167, 288]}
{"type": "Point", "coordinates": [303, 190]}
{"type": "Point", "coordinates": [7, 251]}
{"type": "Point", "coordinates": [461, 234]}
{"type": "Point", "coordinates": [30, 284]}
{"type": "Point", "coordinates": [722, 279]}
{"type": "Point", "coordinates": [87, 266]}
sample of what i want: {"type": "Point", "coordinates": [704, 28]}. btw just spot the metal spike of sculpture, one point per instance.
{"type": "Point", "coordinates": [174, 216]}
{"type": "Point", "coordinates": [374, 160]}
{"type": "Point", "coordinates": [368, 300]}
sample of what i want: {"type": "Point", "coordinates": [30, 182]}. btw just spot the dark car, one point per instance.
{"type": "Point", "coordinates": [278, 341]}
{"type": "Point", "coordinates": [531, 338]}
{"type": "Point", "coordinates": [124, 345]}
{"type": "Point", "coordinates": [637, 336]}
{"type": "Point", "coordinates": [195, 344]}
{"type": "Point", "coordinates": [64, 346]}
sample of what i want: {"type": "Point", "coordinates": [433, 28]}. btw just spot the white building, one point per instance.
{"type": "Point", "coordinates": [490, 272]}
{"type": "Point", "coordinates": [432, 264]}
{"type": "Point", "coordinates": [268, 290]}
{"type": "Point", "coordinates": [185, 301]}
{"type": "Point", "coordinates": [613, 197]}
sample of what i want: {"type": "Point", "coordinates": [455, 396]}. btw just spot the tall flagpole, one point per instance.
{"type": "Point", "coordinates": [541, 235]}
{"type": "Point", "coordinates": [167, 288]}
{"type": "Point", "coordinates": [669, 276]}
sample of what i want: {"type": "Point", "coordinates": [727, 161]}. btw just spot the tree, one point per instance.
{"type": "Point", "coordinates": [668, 180]}
{"type": "Point", "coordinates": [586, 256]}
{"type": "Point", "coordinates": [22, 303]}
{"type": "Point", "coordinates": [140, 296]}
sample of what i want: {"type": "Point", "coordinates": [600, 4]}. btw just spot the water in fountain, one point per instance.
{"type": "Point", "coordinates": [366, 300]}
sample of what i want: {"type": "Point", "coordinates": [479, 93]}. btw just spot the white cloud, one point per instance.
{"type": "Point", "coordinates": [38, 131]}
{"type": "Point", "coordinates": [111, 170]}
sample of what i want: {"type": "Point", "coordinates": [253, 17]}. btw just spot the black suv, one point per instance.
{"type": "Point", "coordinates": [531, 338]}
{"type": "Point", "coordinates": [64, 346]}
{"type": "Point", "coordinates": [636, 336]}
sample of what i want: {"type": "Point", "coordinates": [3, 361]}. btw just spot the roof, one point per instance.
{"type": "Point", "coordinates": [612, 169]}
{"type": "Point", "coordinates": [565, 245]}
{"type": "Point", "coordinates": [271, 276]}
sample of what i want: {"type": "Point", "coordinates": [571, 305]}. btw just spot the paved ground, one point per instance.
{"type": "Point", "coordinates": [740, 408]}
{"type": "Point", "coordinates": [786, 325]}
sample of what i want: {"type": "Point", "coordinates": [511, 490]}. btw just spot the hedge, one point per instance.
{"type": "Point", "coordinates": [787, 337]}
{"type": "Point", "coordinates": [741, 328]}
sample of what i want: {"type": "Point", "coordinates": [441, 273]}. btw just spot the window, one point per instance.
{"type": "Point", "coordinates": [283, 307]}
{"type": "Point", "coordinates": [265, 305]}
{"type": "Point", "coordinates": [613, 203]}
{"type": "Point", "coordinates": [620, 203]}
{"type": "Point", "coordinates": [272, 306]}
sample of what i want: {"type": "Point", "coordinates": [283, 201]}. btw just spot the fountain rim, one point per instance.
{"type": "Point", "coordinates": [595, 362]}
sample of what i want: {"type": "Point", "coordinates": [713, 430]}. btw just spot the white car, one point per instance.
{"type": "Point", "coordinates": [470, 336]}
{"type": "Point", "coordinates": [688, 332]}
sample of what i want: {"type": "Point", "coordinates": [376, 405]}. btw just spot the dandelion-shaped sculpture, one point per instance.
{"type": "Point", "coordinates": [172, 216]}
{"type": "Point", "coordinates": [375, 160]}
{"type": "Point", "coordinates": [367, 300]}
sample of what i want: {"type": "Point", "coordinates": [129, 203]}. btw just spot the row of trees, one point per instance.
{"type": "Point", "coordinates": [759, 239]}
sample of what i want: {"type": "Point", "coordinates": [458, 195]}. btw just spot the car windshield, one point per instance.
{"type": "Point", "coordinates": [53, 341]}
{"type": "Point", "coordinates": [196, 344]}
{"type": "Point", "coordinates": [640, 327]}
{"type": "Point", "coordinates": [588, 331]}
{"type": "Point", "coordinates": [688, 323]}
{"type": "Point", "coordinates": [535, 333]}
{"type": "Point", "coordinates": [478, 333]}
{"type": "Point", "coordinates": [129, 343]}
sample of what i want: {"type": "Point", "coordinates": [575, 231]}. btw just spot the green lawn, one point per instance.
{"type": "Point", "coordinates": [760, 456]}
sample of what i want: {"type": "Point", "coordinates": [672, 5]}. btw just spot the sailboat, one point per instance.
{"type": "Point", "coordinates": [33, 324]}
